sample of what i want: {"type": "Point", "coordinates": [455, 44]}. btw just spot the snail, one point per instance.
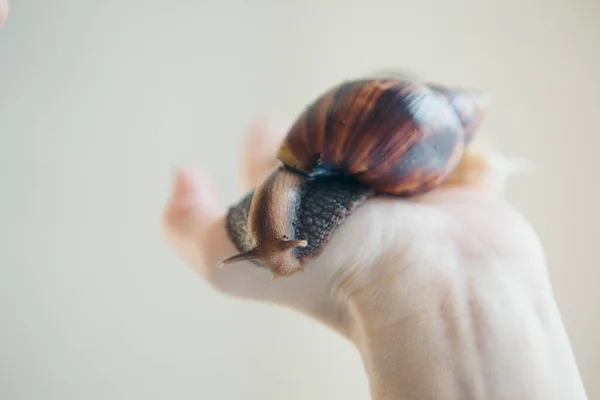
{"type": "Point", "coordinates": [383, 136]}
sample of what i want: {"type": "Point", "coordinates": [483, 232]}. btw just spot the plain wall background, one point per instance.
{"type": "Point", "coordinates": [99, 99]}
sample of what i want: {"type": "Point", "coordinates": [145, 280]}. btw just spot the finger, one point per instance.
{"type": "Point", "coordinates": [261, 144]}
{"type": "Point", "coordinates": [3, 11]}
{"type": "Point", "coordinates": [194, 224]}
{"type": "Point", "coordinates": [193, 206]}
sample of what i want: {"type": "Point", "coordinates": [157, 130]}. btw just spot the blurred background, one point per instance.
{"type": "Point", "coordinates": [100, 99]}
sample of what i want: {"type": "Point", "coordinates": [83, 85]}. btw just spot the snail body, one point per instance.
{"type": "Point", "coordinates": [362, 138]}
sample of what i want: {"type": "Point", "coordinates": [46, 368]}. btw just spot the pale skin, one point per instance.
{"type": "Point", "coordinates": [446, 296]}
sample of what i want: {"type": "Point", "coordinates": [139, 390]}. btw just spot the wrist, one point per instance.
{"type": "Point", "coordinates": [460, 337]}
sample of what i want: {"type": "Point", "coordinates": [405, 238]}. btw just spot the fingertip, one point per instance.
{"type": "Point", "coordinates": [194, 202]}
{"type": "Point", "coordinates": [261, 143]}
{"type": "Point", "coordinates": [182, 184]}
{"type": "Point", "coordinates": [192, 185]}
{"type": "Point", "coordinates": [268, 130]}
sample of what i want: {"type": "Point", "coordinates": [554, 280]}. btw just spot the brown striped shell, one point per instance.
{"type": "Point", "coordinates": [399, 137]}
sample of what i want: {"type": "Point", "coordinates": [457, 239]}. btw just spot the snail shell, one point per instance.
{"type": "Point", "coordinates": [362, 138]}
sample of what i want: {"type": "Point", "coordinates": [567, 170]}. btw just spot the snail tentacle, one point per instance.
{"type": "Point", "coordinates": [316, 208]}
{"type": "Point", "coordinates": [382, 136]}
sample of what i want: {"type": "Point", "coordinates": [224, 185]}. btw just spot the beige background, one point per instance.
{"type": "Point", "coordinates": [98, 99]}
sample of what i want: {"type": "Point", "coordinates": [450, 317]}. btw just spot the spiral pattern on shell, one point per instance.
{"type": "Point", "coordinates": [399, 137]}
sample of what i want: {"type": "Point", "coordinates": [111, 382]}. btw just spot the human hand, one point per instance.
{"type": "Point", "coordinates": [445, 295]}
